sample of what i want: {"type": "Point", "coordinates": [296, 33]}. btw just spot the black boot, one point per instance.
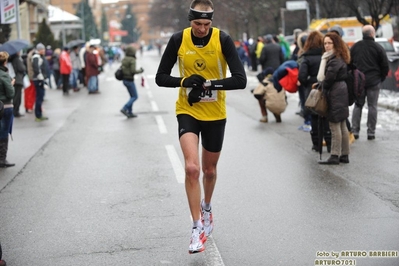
{"type": "Point", "coordinates": [3, 154]}
{"type": "Point", "coordinates": [334, 159]}
{"type": "Point", "coordinates": [344, 159]}
{"type": "Point", "coordinates": [278, 117]}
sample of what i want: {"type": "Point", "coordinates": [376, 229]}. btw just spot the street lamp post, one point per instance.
{"type": "Point", "coordinates": [282, 20]}
{"type": "Point", "coordinates": [63, 24]}
{"type": "Point", "coordinates": [83, 20]}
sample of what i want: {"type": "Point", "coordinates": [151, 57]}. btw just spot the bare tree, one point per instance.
{"type": "Point", "coordinates": [377, 9]}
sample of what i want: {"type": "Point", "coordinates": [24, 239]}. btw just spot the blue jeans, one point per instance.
{"type": "Point", "coordinates": [73, 78]}
{"type": "Point", "coordinates": [6, 123]}
{"type": "Point", "coordinates": [131, 88]}
{"type": "Point", "coordinates": [92, 84]}
{"type": "Point", "coordinates": [39, 86]}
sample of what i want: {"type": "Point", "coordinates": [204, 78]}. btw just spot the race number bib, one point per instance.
{"type": "Point", "coordinates": [207, 95]}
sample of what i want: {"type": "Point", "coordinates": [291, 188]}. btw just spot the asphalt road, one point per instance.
{"type": "Point", "coordinates": [92, 187]}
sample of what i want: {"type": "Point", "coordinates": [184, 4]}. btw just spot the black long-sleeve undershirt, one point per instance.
{"type": "Point", "coordinates": [238, 79]}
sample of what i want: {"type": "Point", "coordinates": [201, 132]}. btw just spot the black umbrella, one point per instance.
{"type": "Point", "coordinates": [320, 134]}
{"type": "Point", "coordinates": [75, 43]}
{"type": "Point", "coordinates": [14, 46]}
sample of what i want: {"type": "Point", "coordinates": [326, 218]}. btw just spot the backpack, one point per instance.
{"type": "Point", "coordinates": [288, 82]}
{"type": "Point", "coordinates": [355, 81]}
{"type": "Point", "coordinates": [119, 74]}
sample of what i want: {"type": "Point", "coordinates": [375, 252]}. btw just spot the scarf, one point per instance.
{"type": "Point", "coordinates": [323, 63]}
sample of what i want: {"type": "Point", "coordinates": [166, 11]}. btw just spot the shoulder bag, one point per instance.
{"type": "Point", "coordinates": [317, 101]}
{"type": "Point", "coordinates": [119, 74]}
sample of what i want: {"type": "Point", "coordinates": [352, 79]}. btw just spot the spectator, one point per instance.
{"type": "Point", "coordinates": [294, 55]}
{"type": "Point", "coordinates": [49, 61]}
{"type": "Point", "coordinates": [82, 57]}
{"type": "Point", "coordinates": [55, 58]}
{"type": "Point", "coordinates": [129, 70]}
{"type": "Point", "coordinates": [241, 52]}
{"type": "Point", "coordinates": [271, 54]}
{"type": "Point", "coordinates": [20, 72]}
{"type": "Point", "coordinates": [30, 92]}
{"type": "Point", "coordinates": [39, 76]}
{"type": "Point", "coordinates": [331, 75]}
{"type": "Point", "coordinates": [6, 96]}
{"type": "Point", "coordinates": [308, 69]}
{"type": "Point", "coordinates": [375, 67]}
{"type": "Point", "coordinates": [76, 67]}
{"type": "Point", "coordinates": [92, 71]}
{"type": "Point", "coordinates": [65, 70]}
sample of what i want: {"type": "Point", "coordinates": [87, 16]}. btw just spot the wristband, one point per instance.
{"type": "Point", "coordinates": [181, 82]}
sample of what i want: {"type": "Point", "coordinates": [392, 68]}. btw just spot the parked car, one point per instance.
{"type": "Point", "coordinates": [396, 46]}
{"type": "Point", "coordinates": [389, 49]}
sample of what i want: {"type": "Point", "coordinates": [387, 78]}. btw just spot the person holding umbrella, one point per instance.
{"type": "Point", "coordinates": [6, 96]}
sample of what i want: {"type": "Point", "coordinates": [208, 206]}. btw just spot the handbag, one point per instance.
{"type": "Point", "coordinates": [119, 74]}
{"type": "Point", "coordinates": [26, 81]}
{"type": "Point", "coordinates": [317, 101]}
{"type": "Point", "coordinates": [11, 70]}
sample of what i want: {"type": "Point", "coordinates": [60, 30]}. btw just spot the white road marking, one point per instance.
{"type": "Point", "coordinates": [213, 257]}
{"type": "Point", "coordinates": [176, 164]}
{"type": "Point", "coordinates": [161, 124]}
{"type": "Point", "coordinates": [149, 93]}
{"type": "Point", "coordinates": [154, 106]}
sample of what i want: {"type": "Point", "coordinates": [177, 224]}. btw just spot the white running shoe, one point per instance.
{"type": "Point", "coordinates": [197, 240]}
{"type": "Point", "coordinates": [207, 220]}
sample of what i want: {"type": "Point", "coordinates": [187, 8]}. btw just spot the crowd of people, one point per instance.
{"type": "Point", "coordinates": [70, 69]}
{"type": "Point", "coordinates": [316, 62]}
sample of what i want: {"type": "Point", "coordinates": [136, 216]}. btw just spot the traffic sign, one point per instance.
{"type": "Point", "coordinates": [296, 5]}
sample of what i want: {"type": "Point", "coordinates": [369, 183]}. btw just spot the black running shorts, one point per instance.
{"type": "Point", "coordinates": [212, 132]}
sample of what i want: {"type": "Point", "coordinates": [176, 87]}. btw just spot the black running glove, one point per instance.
{"type": "Point", "coordinates": [196, 83]}
{"type": "Point", "coordinates": [193, 81]}
{"type": "Point", "coordinates": [195, 95]}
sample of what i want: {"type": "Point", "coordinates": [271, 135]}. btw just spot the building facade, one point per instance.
{"type": "Point", "coordinates": [115, 12]}
{"type": "Point", "coordinates": [31, 14]}
{"type": "Point", "coordinates": [71, 6]}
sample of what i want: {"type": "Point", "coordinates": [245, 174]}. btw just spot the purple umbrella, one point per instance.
{"type": "Point", "coordinates": [14, 46]}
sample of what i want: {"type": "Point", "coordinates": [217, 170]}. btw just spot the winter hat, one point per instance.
{"type": "Point", "coordinates": [337, 29]}
{"type": "Point", "coordinates": [40, 47]}
{"type": "Point", "coordinates": [269, 37]}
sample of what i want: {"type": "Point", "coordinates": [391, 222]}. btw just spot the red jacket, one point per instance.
{"type": "Point", "coordinates": [65, 63]}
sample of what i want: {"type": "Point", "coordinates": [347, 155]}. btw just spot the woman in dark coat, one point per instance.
{"type": "Point", "coordinates": [92, 70]}
{"type": "Point", "coordinates": [20, 72]}
{"type": "Point", "coordinates": [308, 69]}
{"type": "Point", "coordinates": [7, 92]}
{"type": "Point", "coordinates": [332, 74]}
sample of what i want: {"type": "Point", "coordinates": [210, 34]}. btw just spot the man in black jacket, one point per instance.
{"type": "Point", "coordinates": [370, 58]}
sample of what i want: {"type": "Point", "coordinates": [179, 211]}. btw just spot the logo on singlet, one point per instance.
{"type": "Point", "coordinates": [199, 64]}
